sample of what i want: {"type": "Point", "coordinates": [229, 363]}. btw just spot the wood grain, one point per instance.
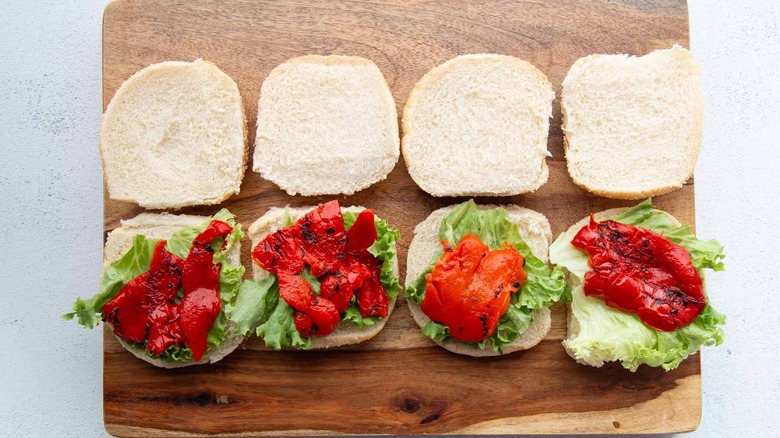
{"type": "Point", "coordinates": [399, 382]}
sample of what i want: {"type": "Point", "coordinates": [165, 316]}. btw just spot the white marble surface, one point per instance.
{"type": "Point", "coordinates": [51, 186]}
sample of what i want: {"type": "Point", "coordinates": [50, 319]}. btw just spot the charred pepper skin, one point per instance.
{"type": "Point", "coordinates": [340, 260]}
{"type": "Point", "coordinates": [370, 295]}
{"type": "Point", "coordinates": [200, 305]}
{"type": "Point", "coordinates": [639, 271]}
{"type": "Point", "coordinates": [145, 310]}
{"type": "Point", "coordinates": [320, 314]}
{"type": "Point", "coordinates": [130, 311]}
{"type": "Point", "coordinates": [324, 238]}
{"type": "Point", "coordinates": [470, 287]}
{"type": "Point", "coordinates": [340, 286]}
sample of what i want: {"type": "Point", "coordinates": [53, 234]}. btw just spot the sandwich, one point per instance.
{"type": "Point", "coordinates": [323, 277]}
{"type": "Point", "coordinates": [637, 285]}
{"type": "Point", "coordinates": [632, 125]}
{"type": "Point", "coordinates": [465, 113]}
{"type": "Point", "coordinates": [174, 135]}
{"type": "Point", "coordinates": [326, 125]}
{"type": "Point", "coordinates": [477, 279]}
{"type": "Point", "coordinates": [166, 282]}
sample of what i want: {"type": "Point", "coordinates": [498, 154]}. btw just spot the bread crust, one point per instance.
{"type": "Point", "coordinates": [663, 184]}
{"type": "Point", "coordinates": [345, 333]}
{"type": "Point", "coordinates": [430, 78]}
{"type": "Point", "coordinates": [162, 226]}
{"type": "Point", "coordinates": [218, 74]}
{"type": "Point", "coordinates": [536, 232]}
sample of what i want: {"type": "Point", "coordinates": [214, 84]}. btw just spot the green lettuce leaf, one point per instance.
{"type": "Point", "coordinates": [254, 304]}
{"type": "Point", "coordinates": [353, 314]}
{"type": "Point", "coordinates": [173, 353]}
{"type": "Point", "coordinates": [230, 279]}
{"type": "Point", "coordinates": [137, 261]}
{"type": "Point", "coordinates": [512, 324]}
{"type": "Point", "coordinates": [544, 287]}
{"type": "Point", "coordinates": [258, 309]}
{"type": "Point", "coordinates": [311, 279]}
{"type": "Point", "coordinates": [605, 334]}
{"type": "Point", "coordinates": [279, 331]}
{"type": "Point", "coordinates": [349, 218]}
{"type": "Point", "coordinates": [563, 253]}
{"type": "Point", "coordinates": [437, 332]}
{"type": "Point", "coordinates": [384, 249]}
{"type": "Point", "coordinates": [134, 263]}
{"type": "Point", "coordinates": [287, 220]}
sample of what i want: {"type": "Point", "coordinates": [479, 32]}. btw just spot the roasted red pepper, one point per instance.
{"type": "Point", "coordinates": [372, 300]}
{"type": "Point", "coordinates": [341, 285]}
{"type": "Point", "coordinates": [145, 309]}
{"type": "Point", "coordinates": [281, 251]}
{"type": "Point", "coordinates": [639, 271]}
{"type": "Point", "coordinates": [340, 260]}
{"type": "Point", "coordinates": [129, 310]}
{"type": "Point", "coordinates": [320, 313]}
{"type": "Point", "coordinates": [200, 281]}
{"type": "Point", "coordinates": [165, 329]}
{"type": "Point", "coordinates": [324, 238]}
{"type": "Point", "coordinates": [362, 234]}
{"type": "Point", "coordinates": [470, 287]}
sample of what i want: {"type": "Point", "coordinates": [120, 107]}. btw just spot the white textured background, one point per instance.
{"type": "Point", "coordinates": [51, 221]}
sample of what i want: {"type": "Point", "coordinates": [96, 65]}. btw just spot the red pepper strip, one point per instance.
{"type": "Point", "coordinates": [164, 328]}
{"type": "Point", "coordinates": [454, 269]}
{"type": "Point", "coordinates": [470, 287]}
{"type": "Point", "coordinates": [324, 238]}
{"type": "Point", "coordinates": [281, 251]}
{"type": "Point", "coordinates": [199, 309]}
{"type": "Point", "coordinates": [298, 294]}
{"type": "Point", "coordinates": [372, 300]}
{"type": "Point", "coordinates": [499, 274]}
{"type": "Point", "coordinates": [340, 286]}
{"type": "Point", "coordinates": [199, 268]}
{"type": "Point", "coordinates": [304, 324]}
{"type": "Point", "coordinates": [637, 270]}
{"type": "Point", "coordinates": [162, 320]}
{"type": "Point", "coordinates": [371, 297]}
{"type": "Point", "coordinates": [127, 311]}
{"type": "Point", "coordinates": [200, 281]}
{"type": "Point", "coordinates": [165, 272]}
{"type": "Point", "coordinates": [317, 239]}
{"type": "Point", "coordinates": [362, 234]}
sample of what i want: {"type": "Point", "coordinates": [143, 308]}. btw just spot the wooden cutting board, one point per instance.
{"type": "Point", "coordinates": [399, 382]}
